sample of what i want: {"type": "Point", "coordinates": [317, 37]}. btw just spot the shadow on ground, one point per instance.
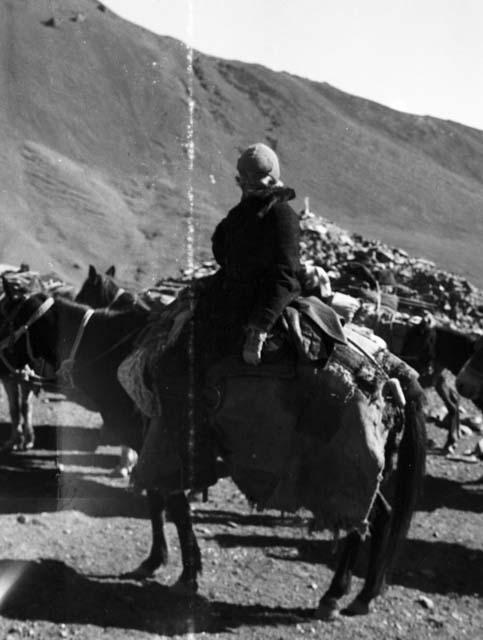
{"type": "Point", "coordinates": [432, 567]}
{"type": "Point", "coordinates": [35, 485]}
{"type": "Point", "coordinates": [50, 590]}
{"type": "Point", "coordinates": [451, 494]}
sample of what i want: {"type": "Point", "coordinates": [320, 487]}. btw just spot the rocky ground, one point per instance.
{"type": "Point", "coordinates": [67, 537]}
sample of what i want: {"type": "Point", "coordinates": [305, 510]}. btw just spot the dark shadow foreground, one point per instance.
{"type": "Point", "coordinates": [49, 590]}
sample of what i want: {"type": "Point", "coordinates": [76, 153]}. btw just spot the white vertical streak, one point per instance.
{"type": "Point", "coordinates": [190, 142]}
{"type": "Point", "coordinates": [190, 246]}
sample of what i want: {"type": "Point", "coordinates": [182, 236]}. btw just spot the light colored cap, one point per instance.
{"type": "Point", "coordinates": [258, 162]}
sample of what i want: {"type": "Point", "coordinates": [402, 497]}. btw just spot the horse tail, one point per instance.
{"type": "Point", "coordinates": [409, 472]}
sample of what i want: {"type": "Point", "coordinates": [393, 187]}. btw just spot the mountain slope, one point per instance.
{"type": "Point", "coordinates": [93, 162]}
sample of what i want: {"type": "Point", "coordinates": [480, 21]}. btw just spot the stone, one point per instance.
{"type": "Point", "coordinates": [425, 602]}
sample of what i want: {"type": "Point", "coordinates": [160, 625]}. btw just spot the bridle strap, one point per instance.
{"type": "Point", "coordinates": [120, 292]}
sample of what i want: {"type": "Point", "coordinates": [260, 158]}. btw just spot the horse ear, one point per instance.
{"type": "Point", "coordinates": [92, 273]}
{"type": "Point", "coordinates": [111, 271]}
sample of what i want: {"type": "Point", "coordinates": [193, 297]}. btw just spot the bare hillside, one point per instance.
{"type": "Point", "coordinates": [93, 164]}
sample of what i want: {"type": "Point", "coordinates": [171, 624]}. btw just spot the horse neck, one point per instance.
{"type": "Point", "coordinates": [53, 335]}
{"type": "Point", "coordinates": [111, 329]}
{"type": "Point", "coordinates": [452, 348]}
{"type": "Point", "coordinates": [56, 335]}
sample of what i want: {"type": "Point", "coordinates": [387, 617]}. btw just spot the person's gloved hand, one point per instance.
{"type": "Point", "coordinates": [252, 349]}
{"type": "Point", "coordinates": [315, 277]}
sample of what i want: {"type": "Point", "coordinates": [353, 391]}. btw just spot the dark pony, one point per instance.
{"type": "Point", "coordinates": [110, 336]}
{"type": "Point", "coordinates": [101, 291]}
{"type": "Point", "coordinates": [431, 349]}
{"type": "Point", "coordinates": [92, 380]}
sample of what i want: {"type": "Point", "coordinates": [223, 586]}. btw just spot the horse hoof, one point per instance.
{"type": "Point", "coordinates": [357, 608]}
{"type": "Point", "coordinates": [184, 588]}
{"type": "Point", "coordinates": [327, 610]}
{"type": "Point", "coordinates": [29, 445]}
{"type": "Point", "coordinates": [143, 572]}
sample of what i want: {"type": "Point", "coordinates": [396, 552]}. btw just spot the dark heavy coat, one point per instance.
{"type": "Point", "coordinates": [257, 248]}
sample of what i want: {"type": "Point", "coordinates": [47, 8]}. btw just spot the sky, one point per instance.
{"type": "Point", "coordinates": [423, 57]}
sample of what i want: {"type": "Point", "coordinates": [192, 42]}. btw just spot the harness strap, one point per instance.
{"type": "Point", "coordinates": [80, 333]}
{"type": "Point", "coordinates": [67, 365]}
{"type": "Point", "coordinates": [16, 335]}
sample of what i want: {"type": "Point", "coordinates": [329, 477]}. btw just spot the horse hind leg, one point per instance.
{"type": "Point", "coordinates": [450, 398]}
{"type": "Point", "coordinates": [328, 608]}
{"type": "Point", "coordinates": [15, 440]}
{"type": "Point", "coordinates": [26, 408]}
{"type": "Point", "coordinates": [378, 562]}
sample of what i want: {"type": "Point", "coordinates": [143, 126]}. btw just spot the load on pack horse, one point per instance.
{"type": "Point", "coordinates": [429, 348]}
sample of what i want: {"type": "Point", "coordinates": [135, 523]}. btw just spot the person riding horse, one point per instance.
{"type": "Point", "coordinates": [257, 248]}
{"type": "Point", "coordinates": [238, 312]}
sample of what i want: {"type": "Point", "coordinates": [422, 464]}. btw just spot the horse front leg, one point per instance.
{"type": "Point", "coordinates": [26, 408]}
{"type": "Point", "coordinates": [159, 553]}
{"type": "Point", "coordinates": [450, 398]}
{"type": "Point", "coordinates": [179, 510]}
{"type": "Point", "coordinates": [378, 560]}
{"type": "Point", "coordinates": [328, 608]}
{"type": "Point", "coordinates": [15, 440]}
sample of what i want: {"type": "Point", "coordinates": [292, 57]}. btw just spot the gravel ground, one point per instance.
{"type": "Point", "coordinates": [67, 537]}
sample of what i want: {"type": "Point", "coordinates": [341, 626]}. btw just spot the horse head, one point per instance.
{"type": "Point", "coordinates": [99, 290]}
